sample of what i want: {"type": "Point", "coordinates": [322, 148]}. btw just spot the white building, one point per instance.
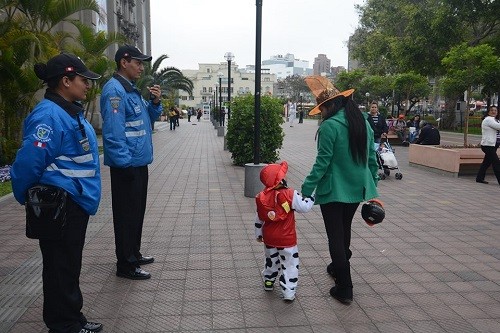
{"type": "Point", "coordinates": [206, 82]}
{"type": "Point", "coordinates": [286, 65]}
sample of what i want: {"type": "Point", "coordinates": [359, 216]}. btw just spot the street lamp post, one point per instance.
{"type": "Point", "coordinates": [220, 75]}
{"type": "Point", "coordinates": [229, 56]}
{"type": "Point", "coordinates": [215, 100]}
{"type": "Point", "coordinates": [367, 101]}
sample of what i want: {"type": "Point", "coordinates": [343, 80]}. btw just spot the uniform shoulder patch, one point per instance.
{"type": "Point", "coordinates": [115, 102]}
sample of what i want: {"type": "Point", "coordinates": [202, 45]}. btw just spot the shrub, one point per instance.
{"type": "Point", "coordinates": [240, 130]}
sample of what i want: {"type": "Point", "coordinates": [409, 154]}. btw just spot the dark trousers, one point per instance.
{"type": "Point", "coordinates": [62, 263]}
{"type": "Point", "coordinates": [490, 158]}
{"type": "Point", "coordinates": [129, 196]}
{"type": "Point", "coordinates": [337, 217]}
{"type": "Point", "coordinates": [172, 123]}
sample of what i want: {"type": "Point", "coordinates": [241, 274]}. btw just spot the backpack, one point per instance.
{"type": "Point", "coordinates": [268, 207]}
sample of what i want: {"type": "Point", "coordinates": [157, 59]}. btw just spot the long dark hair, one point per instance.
{"type": "Point", "coordinates": [356, 123]}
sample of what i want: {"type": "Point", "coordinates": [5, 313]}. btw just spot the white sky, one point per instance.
{"type": "Point", "coordinates": [202, 31]}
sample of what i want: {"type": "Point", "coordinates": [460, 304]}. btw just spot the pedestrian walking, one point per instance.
{"type": "Point", "coordinates": [275, 227]}
{"type": "Point", "coordinates": [292, 112]}
{"type": "Point", "coordinates": [489, 127]}
{"type": "Point", "coordinates": [60, 155]}
{"type": "Point", "coordinates": [343, 175]}
{"type": "Point", "coordinates": [172, 118]}
{"type": "Point", "coordinates": [128, 149]}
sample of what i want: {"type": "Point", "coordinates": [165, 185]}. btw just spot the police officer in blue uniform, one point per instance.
{"type": "Point", "coordinates": [128, 149]}
{"type": "Point", "coordinates": [60, 149]}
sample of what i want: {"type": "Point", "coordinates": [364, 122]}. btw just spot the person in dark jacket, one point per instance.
{"type": "Point", "coordinates": [429, 135]}
{"type": "Point", "coordinates": [377, 122]}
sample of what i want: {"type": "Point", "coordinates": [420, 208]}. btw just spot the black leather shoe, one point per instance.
{"type": "Point", "coordinates": [136, 274]}
{"type": "Point", "coordinates": [343, 296]}
{"type": "Point", "coordinates": [481, 181]}
{"type": "Point", "coordinates": [146, 260]}
{"type": "Point", "coordinates": [93, 327]}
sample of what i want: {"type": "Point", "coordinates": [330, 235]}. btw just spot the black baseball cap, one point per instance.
{"type": "Point", "coordinates": [66, 63]}
{"type": "Point", "coordinates": [129, 51]}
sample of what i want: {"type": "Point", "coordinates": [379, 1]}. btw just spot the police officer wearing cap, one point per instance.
{"type": "Point", "coordinates": [60, 149]}
{"type": "Point", "coordinates": [128, 149]}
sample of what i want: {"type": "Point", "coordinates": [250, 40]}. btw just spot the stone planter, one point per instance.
{"type": "Point", "coordinates": [453, 161]}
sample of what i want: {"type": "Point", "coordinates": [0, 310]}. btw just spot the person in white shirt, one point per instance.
{"type": "Point", "coordinates": [292, 112]}
{"type": "Point", "coordinates": [490, 126]}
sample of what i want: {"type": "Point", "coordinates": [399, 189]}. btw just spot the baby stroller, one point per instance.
{"type": "Point", "coordinates": [387, 160]}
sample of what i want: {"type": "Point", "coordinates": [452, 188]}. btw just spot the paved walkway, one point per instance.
{"type": "Point", "coordinates": [433, 265]}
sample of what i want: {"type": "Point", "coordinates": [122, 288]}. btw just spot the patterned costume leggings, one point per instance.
{"type": "Point", "coordinates": [284, 259]}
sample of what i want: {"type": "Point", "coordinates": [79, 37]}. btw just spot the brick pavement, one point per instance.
{"type": "Point", "coordinates": [432, 266]}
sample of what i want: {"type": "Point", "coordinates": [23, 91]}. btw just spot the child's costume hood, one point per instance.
{"type": "Point", "coordinates": [271, 175]}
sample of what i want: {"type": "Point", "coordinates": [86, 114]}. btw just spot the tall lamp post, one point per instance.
{"type": "Point", "coordinates": [215, 99]}
{"type": "Point", "coordinates": [220, 75]}
{"type": "Point", "coordinates": [367, 101]}
{"type": "Point", "coordinates": [229, 56]}
{"type": "Point", "coordinates": [252, 170]}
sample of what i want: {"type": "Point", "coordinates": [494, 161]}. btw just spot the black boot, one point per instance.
{"type": "Point", "coordinates": [343, 285]}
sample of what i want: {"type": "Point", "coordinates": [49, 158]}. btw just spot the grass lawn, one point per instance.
{"type": "Point", "coordinates": [5, 188]}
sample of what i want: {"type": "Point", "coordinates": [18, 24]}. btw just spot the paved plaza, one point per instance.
{"type": "Point", "coordinates": [433, 265]}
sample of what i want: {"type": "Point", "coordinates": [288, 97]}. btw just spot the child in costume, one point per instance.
{"type": "Point", "coordinates": [275, 227]}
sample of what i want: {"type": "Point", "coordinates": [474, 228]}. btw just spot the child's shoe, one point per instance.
{"type": "Point", "coordinates": [268, 285]}
{"type": "Point", "coordinates": [289, 296]}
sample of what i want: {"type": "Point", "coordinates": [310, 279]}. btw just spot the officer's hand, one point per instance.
{"type": "Point", "coordinates": [156, 92]}
{"type": "Point", "coordinates": [260, 239]}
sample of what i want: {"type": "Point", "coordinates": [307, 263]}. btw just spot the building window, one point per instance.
{"type": "Point", "coordinates": [204, 89]}
{"type": "Point", "coordinates": [210, 89]}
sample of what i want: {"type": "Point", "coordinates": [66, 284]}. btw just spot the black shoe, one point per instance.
{"type": "Point", "coordinates": [92, 327]}
{"type": "Point", "coordinates": [136, 274]}
{"type": "Point", "coordinates": [145, 260]}
{"type": "Point", "coordinates": [329, 270]}
{"type": "Point", "coordinates": [481, 181]}
{"type": "Point", "coordinates": [344, 296]}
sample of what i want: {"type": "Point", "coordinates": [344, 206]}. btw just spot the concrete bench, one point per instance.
{"type": "Point", "coordinates": [455, 161]}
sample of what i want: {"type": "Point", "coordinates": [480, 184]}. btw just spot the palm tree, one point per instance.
{"type": "Point", "coordinates": [90, 47]}
{"type": "Point", "coordinates": [170, 79]}
{"type": "Point", "coordinates": [26, 38]}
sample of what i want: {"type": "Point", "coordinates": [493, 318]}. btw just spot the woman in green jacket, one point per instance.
{"type": "Point", "coordinates": [343, 175]}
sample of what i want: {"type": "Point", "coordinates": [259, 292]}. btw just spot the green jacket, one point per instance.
{"type": "Point", "coordinates": [335, 175]}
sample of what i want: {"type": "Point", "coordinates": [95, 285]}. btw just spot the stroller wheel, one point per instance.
{"type": "Point", "coordinates": [399, 175]}
{"type": "Point", "coordinates": [381, 175]}
{"type": "Point", "coordinates": [387, 172]}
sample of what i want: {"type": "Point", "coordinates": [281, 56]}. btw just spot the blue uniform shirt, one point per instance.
{"type": "Point", "coordinates": [60, 149]}
{"type": "Point", "coordinates": [127, 129]}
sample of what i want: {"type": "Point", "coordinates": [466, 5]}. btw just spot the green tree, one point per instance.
{"type": "Point", "coordinates": [25, 38]}
{"type": "Point", "coordinates": [399, 36]}
{"type": "Point", "coordinates": [412, 87]}
{"type": "Point", "coordinates": [91, 47]}
{"type": "Point", "coordinates": [293, 86]}
{"type": "Point", "coordinates": [170, 79]}
{"type": "Point", "coordinates": [352, 80]}
{"type": "Point", "coordinates": [240, 130]}
{"type": "Point", "coordinates": [467, 67]}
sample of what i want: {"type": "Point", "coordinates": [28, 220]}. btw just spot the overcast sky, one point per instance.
{"type": "Point", "coordinates": [202, 31]}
